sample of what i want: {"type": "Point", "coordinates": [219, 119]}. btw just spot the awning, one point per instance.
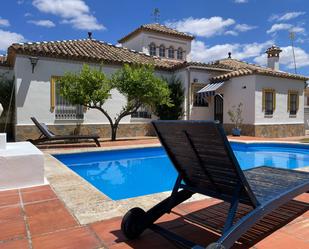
{"type": "Point", "coordinates": [210, 89]}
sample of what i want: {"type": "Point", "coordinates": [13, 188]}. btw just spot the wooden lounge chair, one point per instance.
{"type": "Point", "coordinates": [207, 165]}
{"type": "Point", "coordinates": [48, 136]}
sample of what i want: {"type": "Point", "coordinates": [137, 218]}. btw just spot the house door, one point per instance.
{"type": "Point", "coordinates": [218, 112]}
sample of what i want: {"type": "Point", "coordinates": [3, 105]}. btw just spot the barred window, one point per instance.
{"type": "Point", "coordinates": [152, 49]}
{"type": "Point", "coordinates": [171, 52]}
{"type": "Point", "coordinates": [142, 112]}
{"type": "Point", "coordinates": [198, 99]}
{"type": "Point", "coordinates": [269, 101]}
{"type": "Point", "coordinates": [293, 102]}
{"type": "Point", "coordinates": [162, 51]}
{"type": "Point", "coordinates": [179, 54]}
{"type": "Point", "coordinates": [63, 108]}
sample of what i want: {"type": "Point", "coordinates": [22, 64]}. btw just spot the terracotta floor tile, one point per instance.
{"type": "Point", "coordinates": [15, 244]}
{"type": "Point", "coordinates": [38, 195]}
{"type": "Point", "coordinates": [109, 231]}
{"type": "Point", "coordinates": [10, 212]}
{"type": "Point", "coordinates": [299, 229]}
{"type": "Point", "coordinates": [34, 189]}
{"type": "Point", "coordinates": [10, 197]}
{"type": "Point", "coordinates": [14, 228]}
{"type": "Point", "coordinates": [281, 241]}
{"type": "Point", "coordinates": [48, 216]}
{"type": "Point", "coordinates": [303, 197]}
{"type": "Point", "coordinates": [74, 238]}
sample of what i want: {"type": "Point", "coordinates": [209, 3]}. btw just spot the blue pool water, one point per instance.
{"type": "Point", "coordinates": [122, 174]}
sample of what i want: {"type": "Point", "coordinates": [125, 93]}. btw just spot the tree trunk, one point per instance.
{"type": "Point", "coordinates": [114, 129]}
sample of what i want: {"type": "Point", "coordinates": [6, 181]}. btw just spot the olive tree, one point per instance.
{"type": "Point", "coordinates": [91, 88]}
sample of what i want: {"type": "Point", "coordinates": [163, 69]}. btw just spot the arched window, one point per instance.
{"type": "Point", "coordinates": [162, 51]}
{"type": "Point", "coordinates": [171, 52]}
{"type": "Point", "coordinates": [152, 49]}
{"type": "Point", "coordinates": [179, 54]}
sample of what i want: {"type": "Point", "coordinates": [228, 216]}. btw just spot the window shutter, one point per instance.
{"type": "Point", "coordinates": [263, 100]}
{"type": "Point", "coordinates": [274, 100]}
{"type": "Point", "coordinates": [53, 81]}
{"type": "Point", "coordinates": [289, 96]}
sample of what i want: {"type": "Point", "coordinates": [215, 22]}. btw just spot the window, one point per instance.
{"type": "Point", "coordinates": [179, 54]}
{"type": "Point", "coordinates": [269, 101]}
{"type": "Point", "coordinates": [152, 49]}
{"type": "Point", "coordinates": [293, 102]}
{"type": "Point", "coordinates": [142, 112]}
{"type": "Point", "coordinates": [63, 109]}
{"type": "Point", "coordinates": [162, 51]}
{"type": "Point", "coordinates": [171, 52]}
{"type": "Point", "coordinates": [198, 99]}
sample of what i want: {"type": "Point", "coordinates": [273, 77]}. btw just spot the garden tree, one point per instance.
{"type": "Point", "coordinates": [91, 88]}
{"type": "Point", "coordinates": [177, 96]}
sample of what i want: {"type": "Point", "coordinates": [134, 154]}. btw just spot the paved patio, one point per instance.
{"type": "Point", "coordinates": [37, 218]}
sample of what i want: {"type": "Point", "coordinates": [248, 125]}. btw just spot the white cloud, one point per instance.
{"type": "Point", "coordinates": [286, 57]}
{"type": "Point", "coordinates": [205, 27]}
{"type": "Point", "coordinates": [285, 26]}
{"type": "Point", "coordinates": [287, 16]}
{"type": "Point", "coordinates": [7, 38]}
{"type": "Point", "coordinates": [27, 14]}
{"type": "Point", "coordinates": [4, 22]}
{"type": "Point", "coordinates": [74, 12]}
{"type": "Point", "coordinates": [43, 23]}
{"type": "Point", "coordinates": [19, 2]}
{"type": "Point", "coordinates": [201, 52]}
{"type": "Point", "coordinates": [240, 1]}
{"type": "Point", "coordinates": [231, 32]}
{"type": "Point", "coordinates": [244, 27]}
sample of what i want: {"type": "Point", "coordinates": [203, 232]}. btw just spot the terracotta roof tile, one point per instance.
{"type": "Point", "coordinates": [242, 68]}
{"type": "Point", "coordinates": [89, 50]}
{"type": "Point", "coordinates": [158, 28]}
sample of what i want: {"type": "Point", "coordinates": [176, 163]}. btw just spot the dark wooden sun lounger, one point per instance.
{"type": "Point", "coordinates": [207, 165]}
{"type": "Point", "coordinates": [48, 136]}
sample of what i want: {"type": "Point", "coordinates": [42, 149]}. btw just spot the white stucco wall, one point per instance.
{"type": "Point", "coordinates": [33, 91]}
{"type": "Point", "coordinates": [141, 42]}
{"type": "Point", "coordinates": [281, 114]}
{"type": "Point", "coordinates": [239, 90]}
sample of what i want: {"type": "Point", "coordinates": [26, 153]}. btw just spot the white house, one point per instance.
{"type": "Point", "coordinates": [273, 101]}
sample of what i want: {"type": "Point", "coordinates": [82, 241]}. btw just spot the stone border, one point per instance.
{"type": "Point", "coordinates": [86, 202]}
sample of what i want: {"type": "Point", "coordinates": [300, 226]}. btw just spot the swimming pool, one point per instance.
{"type": "Point", "coordinates": [122, 174]}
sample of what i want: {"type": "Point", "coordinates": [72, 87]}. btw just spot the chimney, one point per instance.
{"type": "Point", "coordinates": [90, 35]}
{"type": "Point", "coordinates": [273, 57]}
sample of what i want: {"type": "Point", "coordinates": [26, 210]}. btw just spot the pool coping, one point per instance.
{"type": "Point", "coordinates": [87, 203]}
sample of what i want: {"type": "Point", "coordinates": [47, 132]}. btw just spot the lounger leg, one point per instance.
{"type": "Point", "coordinates": [97, 142]}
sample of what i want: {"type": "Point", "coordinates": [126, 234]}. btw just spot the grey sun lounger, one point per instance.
{"type": "Point", "coordinates": [207, 165]}
{"type": "Point", "coordinates": [48, 136]}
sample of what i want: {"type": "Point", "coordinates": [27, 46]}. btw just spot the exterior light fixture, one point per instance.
{"type": "Point", "coordinates": [34, 62]}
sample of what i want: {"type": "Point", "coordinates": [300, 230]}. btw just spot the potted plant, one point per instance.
{"type": "Point", "coordinates": [235, 115]}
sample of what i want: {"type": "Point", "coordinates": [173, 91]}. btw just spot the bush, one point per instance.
{"type": "Point", "coordinates": [177, 96]}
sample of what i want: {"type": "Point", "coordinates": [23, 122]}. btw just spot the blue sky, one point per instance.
{"type": "Point", "coordinates": [244, 27]}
